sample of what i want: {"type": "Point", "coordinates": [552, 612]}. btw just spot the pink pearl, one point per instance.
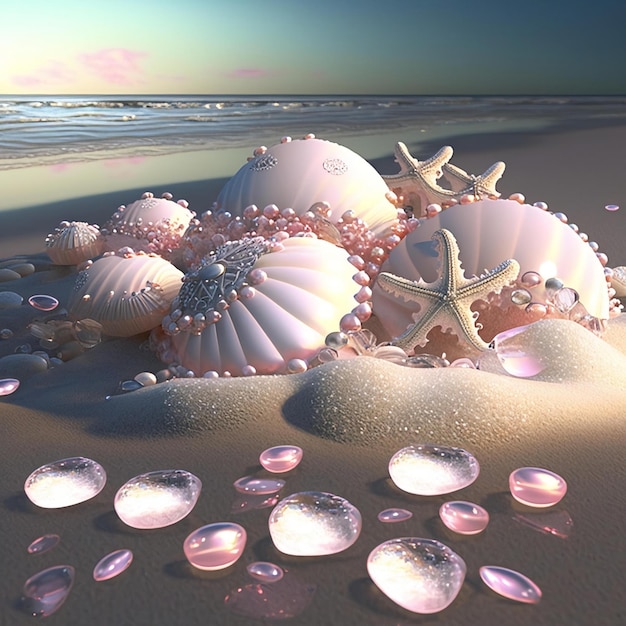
{"type": "Point", "coordinates": [363, 294]}
{"type": "Point", "coordinates": [518, 197]}
{"type": "Point", "coordinates": [363, 311]}
{"type": "Point", "coordinates": [349, 322]}
{"type": "Point", "coordinates": [361, 278]}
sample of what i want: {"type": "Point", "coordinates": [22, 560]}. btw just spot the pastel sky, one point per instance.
{"type": "Point", "coordinates": [313, 47]}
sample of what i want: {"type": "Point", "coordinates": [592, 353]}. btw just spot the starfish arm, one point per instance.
{"type": "Point", "coordinates": [486, 182]}
{"type": "Point", "coordinates": [458, 179]}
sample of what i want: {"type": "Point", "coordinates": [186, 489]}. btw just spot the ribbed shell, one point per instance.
{"type": "Point", "coordinates": [308, 289]}
{"type": "Point", "coordinates": [488, 232]}
{"type": "Point", "coordinates": [126, 295]}
{"type": "Point", "coordinates": [300, 173]}
{"type": "Point", "coordinates": [73, 243]}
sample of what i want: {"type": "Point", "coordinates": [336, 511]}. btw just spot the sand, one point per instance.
{"type": "Point", "coordinates": [349, 417]}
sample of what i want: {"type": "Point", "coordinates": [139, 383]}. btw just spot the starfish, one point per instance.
{"type": "Point", "coordinates": [446, 302]}
{"type": "Point", "coordinates": [417, 180]}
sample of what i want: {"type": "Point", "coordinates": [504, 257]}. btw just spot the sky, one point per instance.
{"type": "Point", "coordinates": [454, 47]}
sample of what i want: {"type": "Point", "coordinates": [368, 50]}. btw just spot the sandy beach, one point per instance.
{"type": "Point", "coordinates": [349, 417]}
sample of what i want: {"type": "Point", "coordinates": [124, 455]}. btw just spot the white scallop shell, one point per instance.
{"type": "Point", "coordinates": [309, 287]}
{"type": "Point", "coordinates": [73, 243]}
{"type": "Point", "coordinates": [297, 174]}
{"type": "Point", "coordinates": [126, 295]}
{"type": "Point", "coordinates": [488, 232]}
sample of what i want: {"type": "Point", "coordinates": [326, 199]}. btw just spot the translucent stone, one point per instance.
{"type": "Point", "coordinates": [259, 486]}
{"type": "Point", "coordinates": [280, 459]}
{"type": "Point", "coordinates": [336, 340]}
{"type": "Point", "coordinates": [146, 379]}
{"type": "Point", "coordinates": [215, 546]}
{"type": "Point", "coordinates": [157, 499]}
{"type": "Point", "coordinates": [394, 515]}
{"type": "Point", "coordinates": [612, 207]}
{"type": "Point", "coordinates": [45, 543]}
{"type": "Point", "coordinates": [313, 523]}
{"type": "Point", "coordinates": [112, 565]}
{"type": "Point", "coordinates": [6, 333]}
{"type": "Point", "coordinates": [553, 285]}
{"type": "Point", "coordinates": [521, 296]}
{"type": "Point", "coordinates": [510, 584]}
{"type": "Point", "coordinates": [65, 482]}
{"type": "Point", "coordinates": [556, 523]}
{"type": "Point", "coordinates": [425, 361]}
{"type": "Point", "coordinates": [536, 487]}
{"type": "Point", "coordinates": [46, 591]}
{"type": "Point", "coordinates": [10, 300]}
{"type": "Point", "coordinates": [465, 518]}
{"type": "Point", "coordinates": [428, 470]}
{"type": "Point", "coordinates": [515, 356]}
{"type": "Point", "coordinates": [43, 302]}
{"type": "Point", "coordinates": [531, 279]}
{"type": "Point", "coordinates": [130, 385]}
{"type": "Point", "coordinates": [564, 299]}
{"type": "Point", "coordinates": [265, 572]}
{"type": "Point", "coordinates": [8, 386]}
{"type": "Point", "coordinates": [421, 575]}
{"type": "Point", "coordinates": [88, 333]}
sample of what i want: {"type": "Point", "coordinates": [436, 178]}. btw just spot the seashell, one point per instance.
{"type": "Point", "coordinates": [488, 232]}
{"type": "Point", "coordinates": [301, 173]}
{"type": "Point", "coordinates": [252, 309]}
{"type": "Point", "coordinates": [126, 295]}
{"type": "Point", "coordinates": [149, 224]}
{"type": "Point", "coordinates": [72, 243]}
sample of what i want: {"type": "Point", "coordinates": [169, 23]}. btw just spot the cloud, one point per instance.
{"type": "Point", "coordinates": [116, 66]}
{"type": "Point", "coordinates": [53, 73]}
{"type": "Point", "coordinates": [248, 72]}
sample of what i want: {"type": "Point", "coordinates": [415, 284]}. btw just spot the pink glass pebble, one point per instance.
{"type": "Point", "coordinates": [514, 355]}
{"type": "Point", "coordinates": [510, 584]}
{"type": "Point", "coordinates": [259, 486]}
{"type": "Point", "coordinates": [280, 459]}
{"type": "Point", "coordinates": [46, 591]}
{"type": "Point", "coordinates": [8, 386]}
{"type": "Point", "coordinates": [394, 515]}
{"type": "Point", "coordinates": [536, 487]}
{"type": "Point", "coordinates": [465, 518]}
{"type": "Point", "coordinates": [45, 543]}
{"type": "Point", "coordinates": [215, 546]}
{"type": "Point", "coordinates": [112, 565]}
{"type": "Point", "coordinates": [265, 572]}
{"type": "Point", "coordinates": [43, 302]}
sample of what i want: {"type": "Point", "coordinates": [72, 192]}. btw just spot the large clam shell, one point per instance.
{"type": "Point", "coordinates": [126, 295]}
{"type": "Point", "coordinates": [271, 307]}
{"type": "Point", "coordinates": [72, 243]}
{"type": "Point", "coordinates": [300, 173]}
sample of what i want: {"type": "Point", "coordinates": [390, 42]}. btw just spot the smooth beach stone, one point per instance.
{"type": "Point", "coordinates": [510, 584]}
{"type": "Point", "coordinates": [215, 546]}
{"type": "Point", "coordinates": [43, 302]}
{"type": "Point", "coordinates": [265, 572]}
{"type": "Point", "coordinates": [146, 379]}
{"type": "Point", "coordinates": [46, 591]}
{"type": "Point", "coordinates": [429, 470]}
{"type": "Point", "coordinates": [65, 482]}
{"type": "Point", "coordinates": [465, 518]}
{"type": "Point", "coordinates": [260, 486]}
{"type": "Point", "coordinates": [421, 575]}
{"type": "Point", "coordinates": [8, 386]}
{"type": "Point", "coordinates": [536, 487]}
{"type": "Point", "coordinates": [279, 459]}
{"type": "Point", "coordinates": [157, 499]}
{"type": "Point", "coordinates": [313, 523]}
{"type": "Point", "coordinates": [516, 356]}
{"type": "Point", "coordinates": [42, 544]}
{"type": "Point", "coordinates": [394, 515]}
{"type": "Point", "coordinates": [112, 565]}
{"type": "Point", "coordinates": [10, 299]}
{"type": "Point", "coordinates": [21, 366]}
{"type": "Point", "coordinates": [7, 275]}
{"type": "Point", "coordinates": [23, 269]}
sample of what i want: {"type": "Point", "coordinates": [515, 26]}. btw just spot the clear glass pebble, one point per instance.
{"type": "Point", "coordinates": [521, 296]}
{"type": "Point", "coordinates": [557, 523]}
{"type": "Point", "coordinates": [215, 546]}
{"type": "Point", "coordinates": [6, 333]}
{"type": "Point", "coordinates": [43, 302]}
{"type": "Point", "coordinates": [10, 300]}
{"type": "Point", "coordinates": [465, 518]}
{"type": "Point", "coordinates": [537, 487]}
{"type": "Point", "coordinates": [314, 523]}
{"type": "Point", "coordinates": [279, 459]}
{"type": "Point", "coordinates": [157, 499]}
{"type": "Point", "coordinates": [112, 565]}
{"type": "Point", "coordinates": [8, 386]}
{"type": "Point", "coordinates": [260, 486]}
{"type": "Point", "coordinates": [510, 584]}
{"type": "Point", "coordinates": [421, 575]}
{"type": "Point", "coordinates": [265, 572]}
{"type": "Point", "coordinates": [429, 470]}
{"type": "Point", "coordinates": [515, 355]}
{"type": "Point", "coordinates": [42, 544]}
{"type": "Point", "coordinates": [394, 515]}
{"type": "Point", "coordinates": [565, 299]}
{"type": "Point", "coordinates": [45, 592]}
{"type": "Point", "coordinates": [65, 482]}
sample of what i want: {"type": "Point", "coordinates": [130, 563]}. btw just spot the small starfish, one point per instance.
{"type": "Point", "coordinates": [446, 302]}
{"type": "Point", "coordinates": [417, 180]}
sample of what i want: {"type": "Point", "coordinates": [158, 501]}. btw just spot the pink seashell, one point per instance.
{"type": "Point", "coordinates": [307, 290]}
{"type": "Point", "coordinates": [301, 173]}
{"type": "Point", "coordinates": [72, 243]}
{"type": "Point", "coordinates": [126, 295]}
